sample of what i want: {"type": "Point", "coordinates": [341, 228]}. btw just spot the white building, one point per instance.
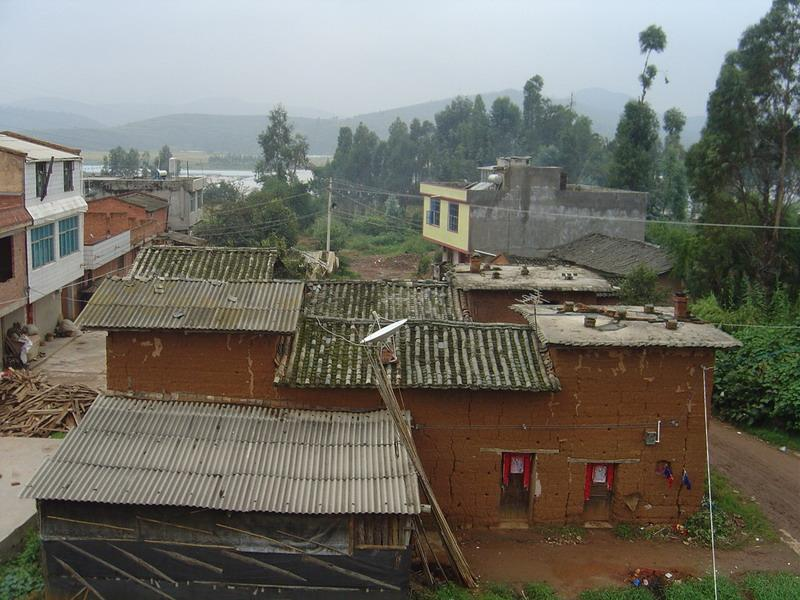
{"type": "Point", "coordinates": [53, 197]}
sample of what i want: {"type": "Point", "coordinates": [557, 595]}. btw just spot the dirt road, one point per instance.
{"type": "Point", "coordinates": [759, 470]}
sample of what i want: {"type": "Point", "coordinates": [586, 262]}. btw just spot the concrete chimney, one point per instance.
{"type": "Point", "coordinates": [680, 303]}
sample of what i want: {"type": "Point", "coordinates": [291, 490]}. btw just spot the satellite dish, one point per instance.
{"type": "Point", "coordinates": [384, 332]}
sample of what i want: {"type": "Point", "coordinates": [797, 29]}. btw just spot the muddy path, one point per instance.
{"type": "Point", "coordinates": [762, 472]}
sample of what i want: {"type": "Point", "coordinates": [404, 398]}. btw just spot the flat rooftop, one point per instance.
{"type": "Point", "coordinates": [637, 329]}
{"type": "Point", "coordinates": [567, 278]}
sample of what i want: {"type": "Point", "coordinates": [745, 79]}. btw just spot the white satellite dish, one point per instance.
{"type": "Point", "coordinates": [384, 332]}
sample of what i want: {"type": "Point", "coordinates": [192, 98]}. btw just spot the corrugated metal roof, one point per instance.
{"type": "Point", "coordinates": [638, 330]}
{"type": "Point", "coordinates": [390, 299]}
{"type": "Point", "coordinates": [205, 263]}
{"type": "Point", "coordinates": [229, 457]}
{"type": "Point", "coordinates": [272, 306]}
{"type": "Point", "coordinates": [34, 151]}
{"type": "Point", "coordinates": [431, 354]}
{"type": "Point", "coordinates": [613, 255]}
{"type": "Point", "coordinates": [54, 210]}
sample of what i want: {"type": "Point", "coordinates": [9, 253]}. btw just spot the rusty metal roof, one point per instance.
{"type": "Point", "coordinates": [231, 457]}
{"type": "Point", "coordinates": [390, 299]}
{"type": "Point", "coordinates": [272, 306]}
{"type": "Point", "coordinates": [205, 263]}
{"type": "Point", "coordinates": [430, 354]}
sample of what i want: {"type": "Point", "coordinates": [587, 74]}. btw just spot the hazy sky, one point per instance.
{"type": "Point", "coordinates": [354, 56]}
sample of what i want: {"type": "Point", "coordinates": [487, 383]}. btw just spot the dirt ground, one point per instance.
{"type": "Point", "coordinates": [762, 472]}
{"type": "Point", "coordinates": [522, 556]}
{"type": "Point", "coordinates": [76, 360]}
{"type": "Point", "coordinates": [402, 266]}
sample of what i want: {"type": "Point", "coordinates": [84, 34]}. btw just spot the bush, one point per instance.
{"type": "Point", "coordinates": [22, 575]}
{"type": "Point", "coordinates": [703, 589]}
{"type": "Point", "coordinates": [540, 591]}
{"type": "Point", "coordinates": [340, 233]}
{"type": "Point", "coordinates": [772, 586]}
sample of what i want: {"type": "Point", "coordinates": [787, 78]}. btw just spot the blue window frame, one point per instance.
{"type": "Point", "coordinates": [42, 245]}
{"type": "Point", "coordinates": [68, 236]}
{"type": "Point", "coordinates": [452, 217]}
{"type": "Point", "coordinates": [434, 212]}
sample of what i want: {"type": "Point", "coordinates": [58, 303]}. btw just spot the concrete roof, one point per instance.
{"type": "Point", "coordinates": [390, 299]}
{"type": "Point", "coordinates": [35, 151]}
{"type": "Point", "coordinates": [540, 277]}
{"type": "Point", "coordinates": [258, 306]}
{"type": "Point", "coordinates": [149, 202]}
{"type": "Point", "coordinates": [231, 457]}
{"type": "Point", "coordinates": [638, 329]}
{"type": "Point", "coordinates": [431, 355]}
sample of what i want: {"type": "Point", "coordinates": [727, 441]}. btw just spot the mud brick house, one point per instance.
{"type": "Point", "coordinates": [184, 500]}
{"type": "Point", "coordinates": [487, 293]}
{"type": "Point", "coordinates": [615, 258]}
{"type": "Point", "coordinates": [115, 230]}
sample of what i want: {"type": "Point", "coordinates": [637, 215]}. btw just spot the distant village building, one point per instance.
{"type": "Point", "coordinates": [49, 177]}
{"type": "Point", "coordinates": [184, 194]}
{"type": "Point", "coordinates": [520, 209]}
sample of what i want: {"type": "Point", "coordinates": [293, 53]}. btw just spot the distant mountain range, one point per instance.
{"type": "Point", "coordinates": [231, 125]}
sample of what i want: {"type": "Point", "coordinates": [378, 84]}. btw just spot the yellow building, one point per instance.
{"type": "Point", "coordinates": [446, 219]}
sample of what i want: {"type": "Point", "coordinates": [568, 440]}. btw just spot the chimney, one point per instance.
{"type": "Point", "coordinates": [589, 321]}
{"type": "Point", "coordinates": [475, 263]}
{"type": "Point", "coordinates": [680, 303]}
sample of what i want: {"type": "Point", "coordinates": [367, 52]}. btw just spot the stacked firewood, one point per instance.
{"type": "Point", "coordinates": [31, 407]}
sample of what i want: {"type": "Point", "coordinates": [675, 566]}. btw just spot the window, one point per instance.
{"type": "Point", "coordinates": [42, 245]}
{"type": "Point", "coordinates": [6, 258]}
{"type": "Point", "coordinates": [41, 179]}
{"type": "Point", "coordinates": [433, 213]}
{"type": "Point", "coordinates": [68, 236]}
{"type": "Point", "coordinates": [452, 217]}
{"type": "Point", "coordinates": [68, 184]}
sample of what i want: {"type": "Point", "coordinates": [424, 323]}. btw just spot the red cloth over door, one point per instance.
{"type": "Point", "coordinates": [610, 477]}
{"type": "Point", "coordinates": [587, 484]}
{"type": "Point", "coordinates": [526, 474]}
{"type": "Point", "coordinates": [506, 467]}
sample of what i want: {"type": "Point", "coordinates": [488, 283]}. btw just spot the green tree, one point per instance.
{"type": "Point", "coordinates": [122, 163]}
{"type": "Point", "coordinates": [635, 148]}
{"type": "Point", "coordinates": [671, 193]}
{"type": "Point", "coordinates": [162, 160]}
{"type": "Point", "coordinates": [478, 143]}
{"type": "Point", "coordinates": [283, 150]}
{"type": "Point", "coordinates": [452, 131]}
{"type": "Point", "coordinates": [652, 39]}
{"type": "Point", "coordinates": [746, 167]}
{"type": "Point", "coordinates": [533, 105]}
{"type": "Point", "coordinates": [506, 122]}
{"type": "Point", "coordinates": [422, 134]}
{"type": "Point", "coordinates": [222, 193]}
{"type": "Point", "coordinates": [641, 287]}
{"type": "Point", "coordinates": [362, 163]}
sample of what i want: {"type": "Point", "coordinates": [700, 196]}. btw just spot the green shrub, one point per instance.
{"type": "Point", "coordinates": [772, 586]}
{"type": "Point", "coordinates": [497, 591]}
{"type": "Point", "coordinates": [629, 593]}
{"type": "Point", "coordinates": [540, 591]}
{"type": "Point", "coordinates": [448, 591]}
{"type": "Point", "coordinates": [703, 589]}
{"type": "Point", "coordinates": [22, 575]}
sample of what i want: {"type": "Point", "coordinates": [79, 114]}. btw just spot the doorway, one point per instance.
{"type": "Point", "coordinates": [598, 491]}
{"type": "Point", "coordinates": [515, 488]}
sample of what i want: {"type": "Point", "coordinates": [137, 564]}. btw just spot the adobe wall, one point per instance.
{"type": "Point", "coordinates": [216, 364]}
{"type": "Point", "coordinates": [609, 398]}
{"type": "Point", "coordinates": [494, 306]}
{"type": "Point", "coordinates": [12, 172]}
{"type": "Point", "coordinates": [13, 293]}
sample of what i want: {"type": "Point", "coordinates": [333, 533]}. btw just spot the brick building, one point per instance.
{"type": "Point", "coordinates": [542, 422]}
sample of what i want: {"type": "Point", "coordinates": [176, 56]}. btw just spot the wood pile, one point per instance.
{"type": "Point", "coordinates": [31, 407]}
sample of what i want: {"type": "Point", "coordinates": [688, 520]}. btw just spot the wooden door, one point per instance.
{"type": "Point", "coordinates": [515, 495]}
{"type": "Point", "coordinates": [598, 492]}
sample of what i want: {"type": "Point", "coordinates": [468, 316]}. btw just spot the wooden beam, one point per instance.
{"type": "Point", "coordinates": [176, 525]}
{"type": "Point", "coordinates": [337, 569]}
{"type": "Point", "coordinates": [93, 523]}
{"type": "Point", "coordinates": [612, 461]}
{"type": "Point", "coordinates": [86, 585]}
{"type": "Point", "coordinates": [260, 563]}
{"type": "Point", "coordinates": [523, 451]}
{"type": "Point", "coordinates": [190, 560]}
{"type": "Point", "coordinates": [141, 562]}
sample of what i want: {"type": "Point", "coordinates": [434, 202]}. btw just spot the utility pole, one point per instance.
{"type": "Point", "coordinates": [328, 236]}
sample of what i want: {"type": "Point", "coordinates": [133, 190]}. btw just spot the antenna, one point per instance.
{"type": "Point", "coordinates": [384, 332]}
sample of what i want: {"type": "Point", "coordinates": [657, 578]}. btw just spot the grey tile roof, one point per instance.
{"type": "Point", "coordinates": [149, 202]}
{"type": "Point", "coordinates": [431, 354]}
{"type": "Point", "coordinates": [205, 262]}
{"type": "Point", "coordinates": [261, 306]}
{"type": "Point", "coordinates": [613, 255]}
{"type": "Point", "coordinates": [231, 457]}
{"type": "Point", "coordinates": [390, 299]}
{"type": "Point", "coordinates": [638, 330]}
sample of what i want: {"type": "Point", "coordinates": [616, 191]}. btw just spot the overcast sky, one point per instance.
{"type": "Point", "coordinates": [355, 56]}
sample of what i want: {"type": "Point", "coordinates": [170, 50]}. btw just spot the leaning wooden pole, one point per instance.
{"type": "Point", "coordinates": [384, 385]}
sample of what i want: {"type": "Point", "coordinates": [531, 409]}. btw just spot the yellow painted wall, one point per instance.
{"type": "Point", "coordinates": [454, 239]}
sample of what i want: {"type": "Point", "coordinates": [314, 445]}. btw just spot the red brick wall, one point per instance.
{"type": "Point", "coordinates": [218, 364]}
{"type": "Point", "coordinates": [492, 306]}
{"type": "Point", "coordinates": [15, 288]}
{"type": "Point", "coordinates": [110, 216]}
{"type": "Point", "coordinates": [155, 224]}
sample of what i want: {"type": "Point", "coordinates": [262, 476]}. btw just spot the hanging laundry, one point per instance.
{"type": "Point", "coordinates": [668, 476]}
{"type": "Point", "coordinates": [517, 464]}
{"type": "Point", "coordinates": [600, 474]}
{"type": "Point", "coordinates": [685, 480]}
{"type": "Point", "coordinates": [527, 469]}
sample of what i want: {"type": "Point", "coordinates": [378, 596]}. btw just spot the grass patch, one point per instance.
{"type": "Point", "coordinates": [737, 520]}
{"type": "Point", "coordinates": [22, 575]}
{"type": "Point", "coordinates": [540, 591]}
{"type": "Point", "coordinates": [772, 586]}
{"type": "Point", "coordinates": [774, 437]}
{"type": "Point", "coordinates": [629, 593]}
{"type": "Point", "coordinates": [702, 589]}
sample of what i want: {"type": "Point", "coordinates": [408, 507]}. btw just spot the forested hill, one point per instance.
{"type": "Point", "coordinates": [237, 133]}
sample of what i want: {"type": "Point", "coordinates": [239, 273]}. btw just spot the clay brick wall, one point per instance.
{"type": "Point", "coordinates": [218, 364]}
{"type": "Point", "coordinates": [110, 216]}
{"type": "Point", "coordinates": [14, 290]}
{"type": "Point", "coordinates": [610, 397]}
{"type": "Point", "coordinates": [156, 223]}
